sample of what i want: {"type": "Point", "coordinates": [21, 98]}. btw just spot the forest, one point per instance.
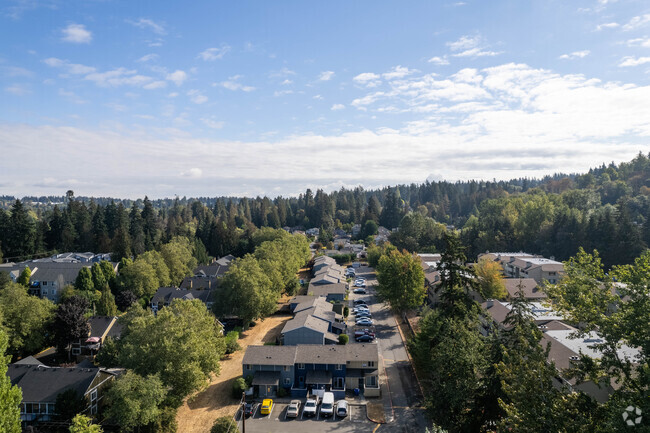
{"type": "Point", "coordinates": [607, 208]}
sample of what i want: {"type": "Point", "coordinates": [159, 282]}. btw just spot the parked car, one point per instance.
{"type": "Point", "coordinates": [310, 406]}
{"type": "Point", "coordinates": [364, 322]}
{"type": "Point", "coordinates": [359, 284]}
{"type": "Point", "coordinates": [267, 406]}
{"type": "Point", "coordinates": [293, 409]}
{"type": "Point", "coordinates": [363, 315]}
{"type": "Point", "coordinates": [342, 408]}
{"type": "Point", "coordinates": [359, 332]}
{"type": "Point", "coordinates": [248, 409]}
{"type": "Point", "coordinates": [359, 291]}
{"type": "Point", "coordinates": [365, 339]}
{"type": "Point", "coordinates": [327, 406]}
{"type": "Point", "coordinates": [360, 309]}
{"type": "Point", "coordinates": [359, 302]}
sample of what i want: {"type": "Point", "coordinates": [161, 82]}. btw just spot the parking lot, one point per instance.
{"type": "Point", "coordinates": [277, 420]}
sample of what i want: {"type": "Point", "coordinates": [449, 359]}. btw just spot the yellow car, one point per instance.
{"type": "Point", "coordinates": [267, 406]}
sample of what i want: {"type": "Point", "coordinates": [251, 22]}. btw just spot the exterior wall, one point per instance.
{"type": "Point", "coordinates": [303, 335]}
{"type": "Point", "coordinates": [286, 372]}
{"type": "Point", "coordinates": [335, 297]}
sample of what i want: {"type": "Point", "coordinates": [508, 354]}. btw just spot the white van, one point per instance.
{"type": "Point", "coordinates": [327, 405]}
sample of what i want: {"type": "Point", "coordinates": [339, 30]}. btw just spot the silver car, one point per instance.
{"type": "Point", "coordinates": [342, 408]}
{"type": "Point", "coordinates": [293, 409]}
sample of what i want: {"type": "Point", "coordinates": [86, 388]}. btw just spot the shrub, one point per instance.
{"type": "Point", "coordinates": [231, 342]}
{"type": "Point", "coordinates": [238, 387]}
{"type": "Point", "coordinates": [343, 339]}
{"type": "Point", "coordinates": [346, 311]}
{"type": "Point", "coordinates": [225, 424]}
{"type": "Point", "coordinates": [282, 392]}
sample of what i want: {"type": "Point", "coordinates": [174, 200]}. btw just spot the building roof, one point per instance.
{"type": "Point", "coordinates": [324, 279]}
{"type": "Point", "coordinates": [266, 378]}
{"type": "Point", "coordinates": [201, 282]}
{"type": "Point", "coordinates": [42, 384]}
{"type": "Point", "coordinates": [318, 377]}
{"type": "Point", "coordinates": [327, 289]}
{"type": "Point", "coordinates": [311, 354]}
{"type": "Point", "coordinates": [497, 310]}
{"type": "Point", "coordinates": [529, 263]}
{"type": "Point", "coordinates": [306, 321]}
{"type": "Point", "coordinates": [270, 355]}
{"type": "Point", "coordinates": [168, 294]}
{"type": "Point", "coordinates": [583, 344]}
{"type": "Point", "coordinates": [530, 288]}
{"type": "Point", "coordinates": [30, 360]}
{"type": "Point", "coordinates": [100, 325]}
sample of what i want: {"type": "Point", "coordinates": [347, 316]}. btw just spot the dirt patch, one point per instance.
{"type": "Point", "coordinates": [198, 413]}
{"type": "Point", "coordinates": [375, 412]}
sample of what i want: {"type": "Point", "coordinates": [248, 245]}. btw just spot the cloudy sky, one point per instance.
{"type": "Point", "coordinates": [204, 98]}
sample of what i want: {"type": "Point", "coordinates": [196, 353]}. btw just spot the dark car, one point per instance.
{"type": "Point", "coordinates": [365, 339]}
{"type": "Point", "coordinates": [248, 409]}
{"type": "Point", "coordinates": [360, 302]}
{"type": "Point", "coordinates": [363, 332]}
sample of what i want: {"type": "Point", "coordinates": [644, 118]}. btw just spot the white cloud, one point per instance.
{"type": "Point", "coordinates": [575, 55]}
{"type": "Point", "coordinates": [71, 96]}
{"type": "Point", "coordinates": [69, 68]}
{"type": "Point", "coordinates": [398, 72]}
{"type": "Point", "coordinates": [637, 22]}
{"type": "Point", "coordinates": [18, 90]}
{"type": "Point", "coordinates": [148, 58]}
{"type": "Point", "coordinates": [286, 82]}
{"type": "Point", "coordinates": [194, 173]}
{"type": "Point", "coordinates": [118, 77]}
{"type": "Point", "coordinates": [337, 107]}
{"type": "Point", "coordinates": [639, 42]}
{"type": "Point", "coordinates": [436, 60]}
{"type": "Point", "coordinates": [279, 93]}
{"type": "Point", "coordinates": [471, 46]}
{"type": "Point", "coordinates": [282, 73]}
{"type": "Point", "coordinates": [147, 24]}
{"type": "Point", "coordinates": [317, 97]}
{"type": "Point", "coordinates": [611, 25]}
{"type": "Point", "coordinates": [155, 85]}
{"type": "Point", "coordinates": [77, 34]}
{"type": "Point", "coordinates": [233, 84]}
{"type": "Point", "coordinates": [16, 71]}
{"type": "Point", "coordinates": [368, 79]}
{"type": "Point", "coordinates": [177, 77]}
{"type": "Point", "coordinates": [633, 61]}
{"type": "Point", "coordinates": [214, 53]}
{"type": "Point", "coordinates": [197, 97]}
{"type": "Point", "coordinates": [326, 75]}
{"type": "Point", "coordinates": [213, 124]}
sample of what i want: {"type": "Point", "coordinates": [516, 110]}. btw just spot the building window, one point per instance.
{"type": "Point", "coordinates": [339, 382]}
{"type": "Point", "coordinates": [287, 381]}
{"type": "Point", "coordinates": [339, 366]}
{"type": "Point", "coordinates": [286, 368]}
{"type": "Point", "coordinates": [371, 381]}
{"type": "Point", "coordinates": [371, 363]}
{"type": "Point", "coordinates": [93, 396]}
{"type": "Point", "coordinates": [45, 291]}
{"type": "Point", "coordinates": [301, 366]}
{"type": "Point", "coordinates": [44, 283]}
{"type": "Point", "coordinates": [247, 366]}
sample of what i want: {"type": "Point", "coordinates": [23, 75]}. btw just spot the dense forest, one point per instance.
{"type": "Point", "coordinates": [607, 209]}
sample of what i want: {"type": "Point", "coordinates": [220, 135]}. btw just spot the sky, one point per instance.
{"type": "Point", "coordinates": [209, 98]}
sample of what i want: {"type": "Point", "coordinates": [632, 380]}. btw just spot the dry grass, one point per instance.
{"type": "Point", "coordinates": [198, 413]}
{"type": "Point", "coordinates": [376, 412]}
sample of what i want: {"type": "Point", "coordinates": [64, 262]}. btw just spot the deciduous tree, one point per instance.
{"type": "Point", "coordinates": [10, 395]}
{"type": "Point", "coordinates": [401, 280]}
{"type": "Point", "coordinates": [134, 401]}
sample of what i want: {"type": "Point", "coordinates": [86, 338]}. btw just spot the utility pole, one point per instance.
{"type": "Point", "coordinates": [243, 412]}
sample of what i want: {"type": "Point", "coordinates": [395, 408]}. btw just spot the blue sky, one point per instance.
{"type": "Point", "coordinates": [123, 98]}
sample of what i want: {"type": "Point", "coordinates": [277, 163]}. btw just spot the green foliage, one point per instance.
{"type": "Point", "coordinates": [10, 395]}
{"type": "Point", "coordinates": [106, 304]}
{"type": "Point", "coordinates": [225, 424]}
{"type": "Point", "coordinates": [183, 334]}
{"type": "Point", "coordinates": [83, 424]}
{"type": "Point", "coordinates": [231, 342]}
{"type": "Point", "coordinates": [418, 233]}
{"type": "Point", "coordinates": [139, 278]}
{"type": "Point", "coordinates": [239, 386]}
{"type": "Point", "coordinates": [84, 280]}
{"type": "Point", "coordinates": [26, 318]}
{"type": "Point", "coordinates": [179, 259]}
{"type": "Point", "coordinates": [457, 281]}
{"type": "Point", "coordinates": [346, 311]}
{"type": "Point", "coordinates": [401, 280]}
{"type": "Point", "coordinates": [344, 339]}
{"type": "Point", "coordinates": [158, 264]}
{"type": "Point", "coordinates": [344, 258]}
{"type": "Point", "coordinates": [109, 354]}
{"type": "Point", "coordinates": [68, 404]}
{"type": "Point", "coordinates": [23, 278]}
{"type": "Point", "coordinates": [490, 279]}
{"type": "Point", "coordinates": [370, 228]}
{"type": "Point", "coordinates": [134, 400]}
{"type": "Point", "coordinates": [70, 323]}
{"type": "Point", "coordinates": [98, 278]}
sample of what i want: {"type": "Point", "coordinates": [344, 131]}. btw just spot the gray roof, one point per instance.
{"type": "Point", "coordinates": [318, 377]}
{"type": "Point", "coordinates": [325, 279]}
{"type": "Point", "coordinates": [168, 294]}
{"type": "Point", "coordinates": [326, 289]}
{"type": "Point", "coordinates": [270, 355]}
{"type": "Point", "coordinates": [303, 320]}
{"type": "Point", "coordinates": [100, 325]}
{"type": "Point", "coordinates": [42, 384]}
{"type": "Point", "coordinates": [200, 282]}
{"type": "Point", "coordinates": [266, 378]}
{"type": "Point", "coordinates": [30, 360]}
{"type": "Point", "coordinates": [529, 286]}
{"type": "Point", "coordinates": [311, 354]}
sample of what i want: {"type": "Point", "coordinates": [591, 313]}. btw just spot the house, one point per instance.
{"type": "Point", "coordinates": [332, 292]}
{"type": "Point", "coordinates": [200, 281]}
{"type": "Point", "coordinates": [216, 269]}
{"type": "Point", "coordinates": [312, 232]}
{"type": "Point", "coordinates": [305, 368]}
{"type": "Point", "coordinates": [524, 265]}
{"type": "Point", "coordinates": [165, 295]}
{"type": "Point", "coordinates": [314, 322]}
{"type": "Point", "coordinates": [356, 229]}
{"type": "Point", "coordinates": [566, 349]}
{"type": "Point", "coordinates": [100, 328]}
{"type": "Point", "coordinates": [429, 261]}
{"type": "Point", "coordinates": [41, 385]}
{"type": "Point", "coordinates": [542, 314]}
{"type": "Point", "coordinates": [529, 286]}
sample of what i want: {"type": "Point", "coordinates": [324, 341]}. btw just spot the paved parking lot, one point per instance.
{"type": "Point", "coordinates": [277, 421]}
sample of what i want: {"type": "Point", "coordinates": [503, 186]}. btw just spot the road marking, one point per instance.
{"type": "Point", "coordinates": [376, 427]}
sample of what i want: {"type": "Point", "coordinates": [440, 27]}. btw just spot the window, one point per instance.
{"type": "Point", "coordinates": [247, 366]}
{"type": "Point", "coordinates": [93, 396]}
{"type": "Point", "coordinates": [287, 381]}
{"type": "Point", "coordinates": [45, 291]}
{"type": "Point", "coordinates": [44, 283]}
{"type": "Point", "coordinates": [371, 381]}
{"type": "Point", "coordinates": [339, 382]}
{"type": "Point", "coordinates": [301, 366]}
{"type": "Point", "coordinates": [371, 363]}
{"type": "Point", "coordinates": [339, 366]}
{"type": "Point", "coordinates": [286, 368]}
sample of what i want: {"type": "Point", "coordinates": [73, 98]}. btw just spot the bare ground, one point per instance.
{"type": "Point", "coordinates": [198, 413]}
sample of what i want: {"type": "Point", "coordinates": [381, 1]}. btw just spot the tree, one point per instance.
{"type": "Point", "coordinates": [344, 339]}
{"type": "Point", "coordinates": [69, 404]}
{"type": "Point", "coordinates": [70, 323]}
{"type": "Point", "coordinates": [134, 401]}
{"type": "Point", "coordinates": [183, 334]}
{"type": "Point", "coordinates": [21, 233]}
{"type": "Point", "coordinates": [10, 395]}
{"type": "Point", "coordinates": [157, 262]}
{"type": "Point", "coordinates": [106, 304]}
{"type": "Point", "coordinates": [247, 292]}
{"type": "Point", "coordinates": [370, 228]}
{"type": "Point", "coordinates": [490, 279]}
{"type": "Point", "coordinates": [232, 345]}
{"type": "Point", "coordinates": [125, 299]}
{"type": "Point", "coordinates": [139, 278]}
{"type": "Point", "coordinates": [225, 424]}
{"type": "Point", "coordinates": [83, 424]}
{"type": "Point", "coordinates": [25, 275]}
{"type": "Point", "coordinates": [401, 280]}
{"type": "Point", "coordinates": [179, 258]}
{"type": "Point", "coordinates": [98, 277]}
{"type": "Point", "coordinates": [26, 318]}
{"type": "Point", "coordinates": [84, 281]}
{"type": "Point", "coordinates": [456, 280]}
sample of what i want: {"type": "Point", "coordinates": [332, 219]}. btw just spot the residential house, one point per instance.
{"type": "Point", "coordinates": [40, 385]}
{"type": "Point", "coordinates": [524, 265]}
{"type": "Point", "coordinates": [165, 295]}
{"type": "Point", "coordinates": [304, 368]}
{"type": "Point", "coordinates": [312, 232]}
{"type": "Point", "coordinates": [332, 292]}
{"type": "Point", "coordinates": [542, 314]}
{"type": "Point", "coordinates": [314, 322]}
{"type": "Point", "coordinates": [532, 291]}
{"type": "Point", "coordinates": [100, 328]}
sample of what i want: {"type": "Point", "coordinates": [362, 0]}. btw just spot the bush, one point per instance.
{"type": "Point", "coordinates": [346, 311]}
{"type": "Point", "coordinates": [225, 424]}
{"type": "Point", "coordinates": [238, 387]}
{"type": "Point", "coordinates": [282, 392]}
{"type": "Point", "coordinates": [231, 342]}
{"type": "Point", "coordinates": [270, 343]}
{"type": "Point", "coordinates": [343, 339]}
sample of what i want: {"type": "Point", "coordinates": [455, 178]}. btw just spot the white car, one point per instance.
{"type": "Point", "coordinates": [364, 322]}
{"type": "Point", "coordinates": [311, 405]}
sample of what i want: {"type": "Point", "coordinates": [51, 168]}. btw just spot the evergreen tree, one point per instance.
{"type": "Point", "coordinates": [10, 395]}
{"type": "Point", "coordinates": [84, 280]}
{"type": "Point", "coordinates": [21, 233]}
{"type": "Point", "coordinates": [106, 305]}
